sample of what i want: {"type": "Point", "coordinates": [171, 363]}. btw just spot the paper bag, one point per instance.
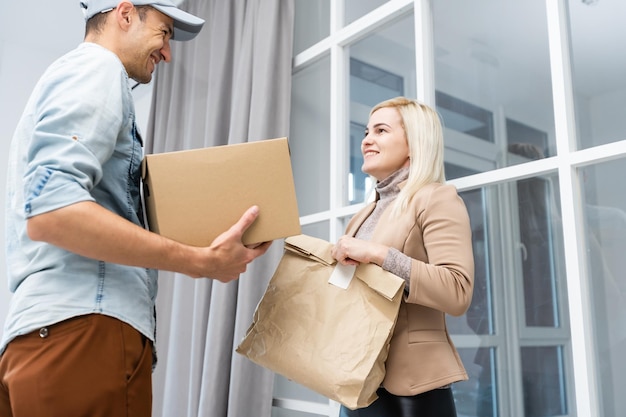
{"type": "Point", "coordinates": [331, 340]}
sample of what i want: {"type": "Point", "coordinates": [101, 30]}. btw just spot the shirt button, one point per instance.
{"type": "Point", "coordinates": [43, 332]}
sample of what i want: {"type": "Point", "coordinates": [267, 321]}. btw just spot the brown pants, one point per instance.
{"type": "Point", "coordinates": [88, 366]}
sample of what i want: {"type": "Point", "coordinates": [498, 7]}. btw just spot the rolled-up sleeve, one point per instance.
{"type": "Point", "coordinates": [75, 125]}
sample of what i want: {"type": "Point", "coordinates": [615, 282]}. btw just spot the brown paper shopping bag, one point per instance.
{"type": "Point", "coordinates": [331, 340]}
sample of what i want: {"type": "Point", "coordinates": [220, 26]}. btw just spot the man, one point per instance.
{"type": "Point", "coordinates": [78, 339]}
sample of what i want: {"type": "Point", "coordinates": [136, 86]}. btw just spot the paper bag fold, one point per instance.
{"type": "Point", "coordinates": [330, 340]}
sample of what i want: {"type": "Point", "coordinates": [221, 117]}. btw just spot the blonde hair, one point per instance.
{"type": "Point", "coordinates": [424, 134]}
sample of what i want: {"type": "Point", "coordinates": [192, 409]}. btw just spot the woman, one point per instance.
{"type": "Point", "coordinates": [418, 228]}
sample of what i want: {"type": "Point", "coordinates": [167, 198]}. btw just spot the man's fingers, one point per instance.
{"type": "Point", "coordinates": [246, 220]}
{"type": "Point", "coordinates": [263, 247]}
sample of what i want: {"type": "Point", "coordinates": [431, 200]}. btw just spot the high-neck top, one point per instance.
{"type": "Point", "coordinates": [388, 188]}
{"type": "Point", "coordinates": [387, 191]}
{"type": "Point", "coordinates": [395, 262]}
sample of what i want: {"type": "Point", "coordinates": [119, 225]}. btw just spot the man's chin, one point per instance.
{"type": "Point", "coordinates": [143, 79]}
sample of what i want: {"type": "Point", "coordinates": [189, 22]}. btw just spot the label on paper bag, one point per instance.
{"type": "Point", "coordinates": [342, 275]}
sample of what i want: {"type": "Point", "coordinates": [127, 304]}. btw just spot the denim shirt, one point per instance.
{"type": "Point", "coordinates": [76, 141]}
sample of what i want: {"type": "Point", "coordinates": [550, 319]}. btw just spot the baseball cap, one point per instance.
{"type": "Point", "coordinates": [186, 25]}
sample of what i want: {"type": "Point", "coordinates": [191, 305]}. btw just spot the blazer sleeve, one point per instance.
{"type": "Point", "coordinates": [445, 280]}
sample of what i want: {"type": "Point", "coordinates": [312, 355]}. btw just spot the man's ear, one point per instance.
{"type": "Point", "coordinates": [124, 15]}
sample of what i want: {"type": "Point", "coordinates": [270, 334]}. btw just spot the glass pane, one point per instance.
{"type": "Point", "coordinates": [309, 142]}
{"type": "Point", "coordinates": [465, 117]}
{"type": "Point", "coordinates": [605, 233]}
{"type": "Point", "coordinates": [479, 317]}
{"type": "Point", "coordinates": [319, 230]}
{"type": "Point", "coordinates": [543, 381]}
{"type": "Point", "coordinates": [312, 23]}
{"type": "Point", "coordinates": [382, 66]}
{"type": "Point", "coordinates": [357, 8]}
{"type": "Point", "coordinates": [598, 39]}
{"type": "Point", "coordinates": [478, 396]}
{"type": "Point", "coordinates": [519, 286]}
{"type": "Point", "coordinates": [539, 245]}
{"type": "Point", "coordinates": [360, 185]}
{"type": "Point", "coordinates": [525, 143]}
{"type": "Point", "coordinates": [284, 388]}
{"type": "Point", "coordinates": [492, 75]}
{"type": "Point", "coordinates": [343, 224]}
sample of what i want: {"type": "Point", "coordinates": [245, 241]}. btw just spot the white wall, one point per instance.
{"type": "Point", "coordinates": [26, 49]}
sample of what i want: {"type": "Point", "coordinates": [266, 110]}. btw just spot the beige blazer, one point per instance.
{"type": "Point", "coordinates": [435, 232]}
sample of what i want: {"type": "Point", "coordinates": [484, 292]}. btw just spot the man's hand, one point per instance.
{"type": "Point", "coordinates": [227, 257]}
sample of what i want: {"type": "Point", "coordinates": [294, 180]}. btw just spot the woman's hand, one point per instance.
{"type": "Point", "coordinates": [352, 251]}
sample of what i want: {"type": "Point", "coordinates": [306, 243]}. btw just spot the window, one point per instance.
{"type": "Point", "coordinates": [533, 118]}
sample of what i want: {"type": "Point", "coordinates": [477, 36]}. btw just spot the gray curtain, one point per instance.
{"type": "Point", "coordinates": [231, 84]}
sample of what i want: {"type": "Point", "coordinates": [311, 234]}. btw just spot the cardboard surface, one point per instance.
{"type": "Point", "coordinates": [193, 196]}
{"type": "Point", "coordinates": [333, 341]}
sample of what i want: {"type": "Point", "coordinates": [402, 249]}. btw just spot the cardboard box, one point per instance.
{"type": "Point", "coordinates": [193, 196]}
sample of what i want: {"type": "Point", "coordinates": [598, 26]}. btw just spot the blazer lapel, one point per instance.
{"type": "Point", "coordinates": [361, 215]}
{"type": "Point", "coordinates": [358, 219]}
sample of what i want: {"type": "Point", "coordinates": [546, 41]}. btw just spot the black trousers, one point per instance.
{"type": "Point", "coordinates": [435, 403]}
